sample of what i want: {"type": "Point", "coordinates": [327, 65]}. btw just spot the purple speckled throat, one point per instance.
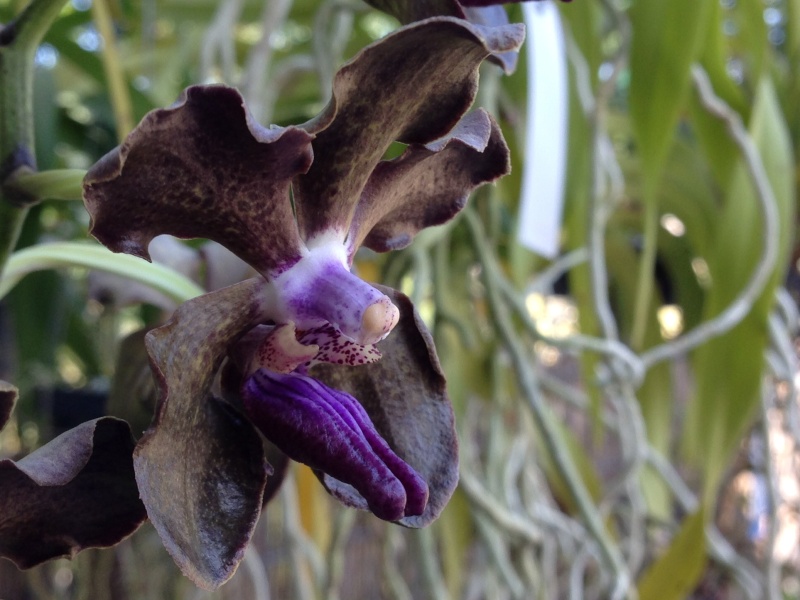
{"type": "Point", "coordinates": [320, 289]}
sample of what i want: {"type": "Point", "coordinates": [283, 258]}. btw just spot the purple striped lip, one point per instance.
{"type": "Point", "coordinates": [330, 431]}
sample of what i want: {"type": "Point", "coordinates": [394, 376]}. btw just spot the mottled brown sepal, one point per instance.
{"type": "Point", "coordinates": [408, 11]}
{"type": "Point", "coordinates": [428, 185]}
{"type": "Point", "coordinates": [412, 86]}
{"type": "Point", "coordinates": [200, 467]}
{"type": "Point", "coordinates": [202, 168]}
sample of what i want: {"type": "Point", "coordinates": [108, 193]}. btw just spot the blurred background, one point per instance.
{"type": "Point", "coordinates": [617, 318]}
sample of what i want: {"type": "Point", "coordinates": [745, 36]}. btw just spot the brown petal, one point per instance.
{"type": "Point", "coordinates": [133, 394]}
{"type": "Point", "coordinates": [8, 397]}
{"type": "Point", "coordinates": [413, 86]}
{"type": "Point", "coordinates": [408, 11]}
{"type": "Point", "coordinates": [405, 396]}
{"type": "Point", "coordinates": [201, 168]}
{"type": "Point", "coordinates": [231, 379]}
{"type": "Point", "coordinates": [200, 467]}
{"type": "Point", "coordinates": [493, 16]}
{"type": "Point", "coordinates": [76, 492]}
{"type": "Point", "coordinates": [428, 185]}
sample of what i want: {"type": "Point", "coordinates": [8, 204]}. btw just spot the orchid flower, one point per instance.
{"type": "Point", "coordinates": [330, 370]}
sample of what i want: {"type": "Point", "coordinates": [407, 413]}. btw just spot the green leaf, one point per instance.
{"type": "Point", "coordinates": [583, 464]}
{"type": "Point", "coordinates": [456, 529]}
{"type": "Point", "coordinates": [666, 39]}
{"type": "Point", "coordinates": [793, 29]}
{"type": "Point", "coordinates": [55, 184]}
{"type": "Point", "coordinates": [656, 393]}
{"type": "Point", "coordinates": [577, 195]}
{"type": "Point", "coordinates": [751, 42]}
{"type": "Point", "coordinates": [720, 151]}
{"type": "Point", "coordinates": [91, 256]}
{"type": "Point", "coordinates": [676, 572]}
{"type": "Point", "coordinates": [729, 368]}
{"type": "Point", "coordinates": [585, 22]}
{"type": "Point", "coordinates": [749, 46]}
{"type": "Point", "coordinates": [714, 58]}
{"type": "Point", "coordinates": [664, 45]}
{"type": "Point", "coordinates": [688, 193]}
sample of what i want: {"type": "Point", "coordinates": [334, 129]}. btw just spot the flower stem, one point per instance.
{"type": "Point", "coordinates": [114, 71]}
{"type": "Point", "coordinates": [55, 184]}
{"type": "Point", "coordinates": [94, 256]}
{"type": "Point", "coordinates": [647, 263]}
{"type": "Point", "coordinates": [18, 42]}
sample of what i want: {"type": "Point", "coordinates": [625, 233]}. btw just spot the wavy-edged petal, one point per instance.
{"type": "Point", "coordinates": [413, 86]}
{"type": "Point", "coordinates": [202, 168]}
{"type": "Point", "coordinates": [408, 11]}
{"type": "Point", "coordinates": [494, 16]}
{"type": "Point", "coordinates": [428, 185]}
{"type": "Point", "coordinates": [200, 467]}
{"type": "Point", "coordinates": [405, 397]}
{"type": "Point", "coordinates": [76, 492]}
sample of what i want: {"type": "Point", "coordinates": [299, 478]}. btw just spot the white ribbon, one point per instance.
{"type": "Point", "coordinates": [542, 196]}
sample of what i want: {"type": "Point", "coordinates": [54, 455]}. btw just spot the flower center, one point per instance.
{"type": "Point", "coordinates": [320, 289]}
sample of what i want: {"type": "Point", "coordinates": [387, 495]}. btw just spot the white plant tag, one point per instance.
{"type": "Point", "coordinates": [542, 197]}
